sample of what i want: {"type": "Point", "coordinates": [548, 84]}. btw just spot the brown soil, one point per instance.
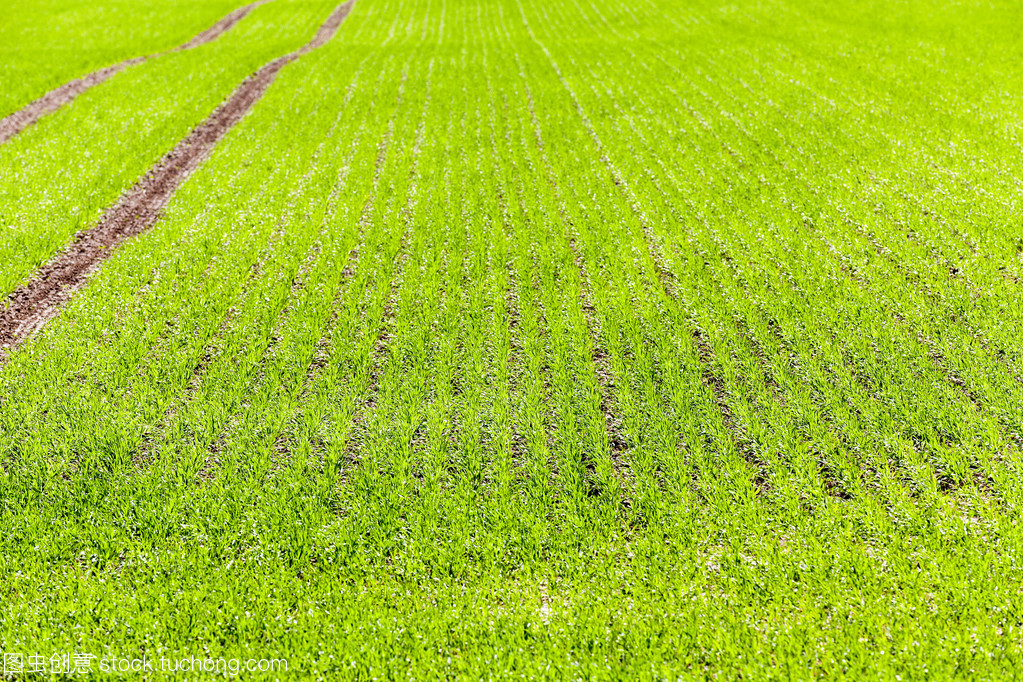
{"type": "Point", "coordinates": [31, 305]}
{"type": "Point", "coordinates": [55, 99]}
{"type": "Point", "coordinates": [220, 28]}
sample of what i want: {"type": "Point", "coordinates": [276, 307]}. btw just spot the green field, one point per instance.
{"type": "Point", "coordinates": [539, 339]}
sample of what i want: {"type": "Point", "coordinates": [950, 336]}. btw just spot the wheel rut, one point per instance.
{"type": "Point", "coordinates": [14, 123]}
{"type": "Point", "coordinates": [30, 306]}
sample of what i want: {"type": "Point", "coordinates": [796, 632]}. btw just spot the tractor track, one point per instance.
{"type": "Point", "coordinates": [30, 306]}
{"type": "Point", "coordinates": [14, 123]}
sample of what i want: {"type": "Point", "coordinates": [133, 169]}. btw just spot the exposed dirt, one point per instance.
{"type": "Point", "coordinates": [220, 28]}
{"type": "Point", "coordinates": [327, 31]}
{"type": "Point", "coordinates": [55, 99]}
{"type": "Point", "coordinates": [31, 305]}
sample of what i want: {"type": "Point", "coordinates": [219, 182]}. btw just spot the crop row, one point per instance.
{"type": "Point", "coordinates": [508, 335]}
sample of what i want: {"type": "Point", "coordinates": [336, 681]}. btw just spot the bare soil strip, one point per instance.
{"type": "Point", "coordinates": [220, 28]}
{"type": "Point", "coordinates": [57, 98]}
{"type": "Point", "coordinates": [30, 306]}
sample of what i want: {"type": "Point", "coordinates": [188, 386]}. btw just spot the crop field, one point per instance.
{"type": "Point", "coordinates": [538, 339]}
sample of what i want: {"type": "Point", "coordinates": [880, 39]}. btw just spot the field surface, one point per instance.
{"type": "Point", "coordinates": [540, 339]}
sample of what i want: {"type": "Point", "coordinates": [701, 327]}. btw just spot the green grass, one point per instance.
{"type": "Point", "coordinates": [541, 340]}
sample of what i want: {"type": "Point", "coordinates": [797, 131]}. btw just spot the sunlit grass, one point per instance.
{"type": "Point", "coordinates": [553, 340]}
